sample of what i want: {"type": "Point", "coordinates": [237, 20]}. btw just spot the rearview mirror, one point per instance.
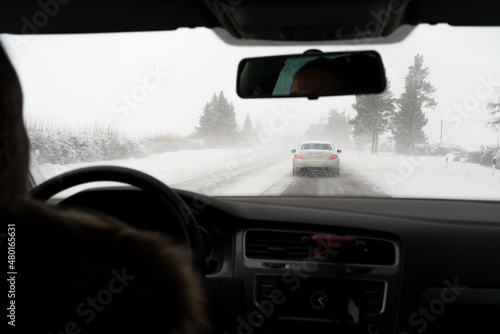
{"type": "Point", "coordinates": [311, 75]}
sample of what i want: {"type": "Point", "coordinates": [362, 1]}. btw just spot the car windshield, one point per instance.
{"type": "Point", "coordinates": [165, 103]}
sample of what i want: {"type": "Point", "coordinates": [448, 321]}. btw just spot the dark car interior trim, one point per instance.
{"type": "Point", "coordinates": [461, 232]}
{"type": "Point", "coordinates": [319, 20]}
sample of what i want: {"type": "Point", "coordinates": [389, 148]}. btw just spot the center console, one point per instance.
{"type": "Point", "coordinates": [317, 282]}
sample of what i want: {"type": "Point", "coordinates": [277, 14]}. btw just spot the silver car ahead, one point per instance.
{"type": "Point", "coordinates": [316, 156]}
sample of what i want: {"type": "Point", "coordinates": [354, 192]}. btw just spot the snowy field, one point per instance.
{"type": "Point", "coordinates": [234, 172]}
{"type": "Point", "coordinates": [425, 176]}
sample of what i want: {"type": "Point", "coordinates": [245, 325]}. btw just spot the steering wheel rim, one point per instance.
{"type": "Point", "coordinates": [138, 179]}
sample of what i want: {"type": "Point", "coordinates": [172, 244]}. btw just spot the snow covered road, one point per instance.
{"type": "Point", "coordinates": [272, 177]}
{"type": "Point", "coordinates": [243, 172]}
{"type": "Point", "coordinates": [348, 184]}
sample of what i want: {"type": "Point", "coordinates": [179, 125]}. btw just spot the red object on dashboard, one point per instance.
{"type": "Point", "coordinates": [333, 242]}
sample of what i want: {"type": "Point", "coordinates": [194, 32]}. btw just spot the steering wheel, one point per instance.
{"type": "Point", "coordinates": [169, 200]}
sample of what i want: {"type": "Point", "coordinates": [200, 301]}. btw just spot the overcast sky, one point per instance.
{"type": "Point", "coordinates": [85, 79]}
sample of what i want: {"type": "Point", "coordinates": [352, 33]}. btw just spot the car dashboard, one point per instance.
{"type": "Point", "coordinates": [324, 265]}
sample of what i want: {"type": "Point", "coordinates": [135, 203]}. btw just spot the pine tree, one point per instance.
{"type": "Point", "coordinates": [494, 108]}
{"type": "Point", "coordinates": [247, 127]}
{"type": "Point", "coordinates": [373, 116]}
{"type": "Point", "coordinates": [337, 128]}
{"type": "Point", "coordinates": [208, 121]}
{"type": "Point", "coordinates": [409, 121]}
{"type": "Point", "coordinates": [228, 128]}
{"type": "Point", "coordinates": [217, 124]}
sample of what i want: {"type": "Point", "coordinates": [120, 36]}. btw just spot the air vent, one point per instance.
{"type": "Point", "coordinates": [299, 246]}
{"type": "Point", "coordinates": [276, 245]}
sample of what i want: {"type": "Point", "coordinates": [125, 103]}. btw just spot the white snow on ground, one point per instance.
{"type": "Point", "coordinates": [425, 176]}
{"type": "Point", "coordinates": [168, 167]}
{"type": "Point", "coordinates": [268, 172]}
{"type": "Point", "coordinates": [247, 171]}
{"type": "Point", "coordinates": [268, 180]}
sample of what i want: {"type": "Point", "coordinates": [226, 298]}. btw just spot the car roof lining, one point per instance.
{"type": "Point", "coordinates": [272, 20]}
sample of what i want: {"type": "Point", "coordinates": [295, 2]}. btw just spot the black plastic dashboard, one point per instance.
{"type": "Point", "coordinates": [444, 276]}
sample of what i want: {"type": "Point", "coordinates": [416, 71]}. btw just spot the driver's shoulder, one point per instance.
{"type": "Point", "coordinates": [73, 225]}
{"type": "Point", "coordinates": [77, 233]}
{"type": "Point", "coordinates": [72, 254]}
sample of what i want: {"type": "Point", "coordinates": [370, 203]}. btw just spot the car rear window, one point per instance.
{"type": "Point", "coordinates": [316, 146]}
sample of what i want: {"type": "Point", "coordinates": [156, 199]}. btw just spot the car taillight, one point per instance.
{"type": "Point", "coordinates": [333, 157]}
{"type": "Point", "coordinates": [298, 156]}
